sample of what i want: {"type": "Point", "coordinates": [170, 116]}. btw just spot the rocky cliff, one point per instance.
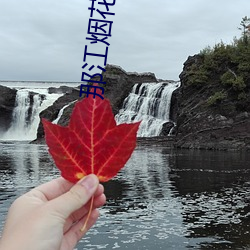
{"type": "Point", "coordinates": [211, 108]}
{"type": "Point", "coordinates": [209, 114]}
{"type": "Point", "coordinates": [118, 85]}
{"type": "Point", "coordinates": [51, 113]}
{"type": "Point", "coordinates": [7, 104]}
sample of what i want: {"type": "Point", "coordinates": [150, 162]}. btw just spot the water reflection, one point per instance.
{"type": "Point", "coordinates": [214, 187]}
{"type": "Point", "coordinates": [26, 164]}
{"type": "Point", "coordinates": [160, 200]}
{"type": "Point", "coordinates": [142, 210]}
{"type": "Point", "coordinates": [22, 167]}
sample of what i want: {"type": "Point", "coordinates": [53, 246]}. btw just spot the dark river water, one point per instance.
{"type": "Point", "coordinates": [162, 199]}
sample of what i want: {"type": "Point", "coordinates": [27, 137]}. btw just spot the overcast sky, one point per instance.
{"type": "Point", "coordinates": [45, 39]}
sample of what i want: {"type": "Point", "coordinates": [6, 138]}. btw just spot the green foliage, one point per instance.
{"type": "Point", "coordinates": [245, 23]}
{"type": "Point", "coordinates": [239, 84]}
{"type": "Point", "coordinates": [210, 65]}
{"type": "Point", "coordinates": [206, 51]}
{"type": "Point", "coordinates": [216, 98]}
{"type": "Point", "coordinates": [226, 67]}
{"type": "Point", "coordinates": [242, 96]}
{"type": "Point", "coordinates": [197, 75]}
{"type": "Point", "coordinates": [228, 78]}
{"type": "Point", "coordinates": [244, 67]}
{"type": "Point", "coordinates": [222, 53]}
{"type": "Point", "coordinates": [232, 80]}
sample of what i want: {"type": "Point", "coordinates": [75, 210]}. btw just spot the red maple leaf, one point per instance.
{"type": "Point", "coordinates": [92, 143]}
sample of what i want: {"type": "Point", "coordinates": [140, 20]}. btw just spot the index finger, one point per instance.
{"type": "Point", "coordinates": [54, 188]}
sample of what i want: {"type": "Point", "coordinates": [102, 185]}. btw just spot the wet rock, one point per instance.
{"type": "Point", "coordinates": [166, 128]}
{"type": "Point", "coordinates": [51, 113]}
{"type": "Point", "coordinates": [118, 85]}
{"type": "Point", "coordinates": [242, 116]}
{"type": "Point", "coordinates": [7, 105]}
{"type": "Point", "coordinates": [224, 126]}
{"type": "Point", "coordinates": [60, 90]}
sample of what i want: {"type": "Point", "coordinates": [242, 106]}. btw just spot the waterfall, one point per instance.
{"type": "Point", "coordinates": [149, 103]}
{"type": "Point", "coordinates": [25, 117]}
{"type": "Point", "coordinates": [61, 112]}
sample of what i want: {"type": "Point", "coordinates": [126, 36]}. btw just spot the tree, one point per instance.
{"type": "Point", "coordinates": [245, 28]}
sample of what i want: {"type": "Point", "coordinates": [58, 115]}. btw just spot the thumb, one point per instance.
{"type": "Point", "coordinates": [76, 197]}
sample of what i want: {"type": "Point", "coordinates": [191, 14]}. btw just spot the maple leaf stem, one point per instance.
{"type": "Point", "coordinates": [88, 216]}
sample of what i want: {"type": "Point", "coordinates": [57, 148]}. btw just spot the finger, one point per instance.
{"type": "Point", "coordinates": [75, 234]}
{"type": "Point", "coordinates": [75, 198]}
{"type": "Point", "coordinates": [54, 188]}
{"type": "Point", "coordinates": [99, 201]}
{"type": "Point", "coordinates": [77, 215]}
{"type": "Point", "coordinates": [99, 190]}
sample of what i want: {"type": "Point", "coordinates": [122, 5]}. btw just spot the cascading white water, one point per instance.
{"type": "Point", "coordinates": [149, 103]}
{"type": "Point", "coordinates": [20, 112]}
{"type": "Point", "coordinates": [25, 117]}
{"type": "Point", "coordinates": [61, 112]}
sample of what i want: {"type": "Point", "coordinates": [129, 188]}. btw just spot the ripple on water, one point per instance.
{"type": "Point", "coordinates": [158, 201]}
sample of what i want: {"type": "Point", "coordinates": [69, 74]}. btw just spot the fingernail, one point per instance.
{"type": "Point", "coordinates": [89, 182]}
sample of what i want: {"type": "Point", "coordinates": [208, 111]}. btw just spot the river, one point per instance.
{"type": "Point", "coordinates": [162, 199]}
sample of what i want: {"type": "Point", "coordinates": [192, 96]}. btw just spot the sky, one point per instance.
{"type": "Point", "coordinates": [44, 40]}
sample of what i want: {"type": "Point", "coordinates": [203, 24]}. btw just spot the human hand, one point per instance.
{"type": "Point", "coordinates": [50, 216]}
